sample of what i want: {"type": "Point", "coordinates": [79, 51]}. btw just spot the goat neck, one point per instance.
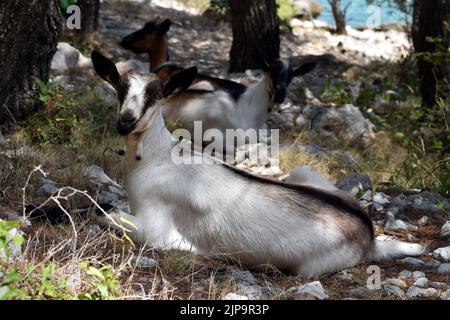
{"type": "Point", "coordinates": [150, 144]}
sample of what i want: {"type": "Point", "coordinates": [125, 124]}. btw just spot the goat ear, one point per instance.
{"type": "Point", "coordinates": [181, 80]}
{"type": "Point", "coordinates": [105, 68]}
{"type": "Point", "coordinates": [163, 27]}
{"type": "Point", "coordinates": [304, 69]}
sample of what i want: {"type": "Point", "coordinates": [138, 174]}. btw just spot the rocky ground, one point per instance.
{"type": "Point", "coordinates": [331, 135]}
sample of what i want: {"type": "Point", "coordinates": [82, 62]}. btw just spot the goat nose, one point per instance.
{"type": "Point", "coordinates": [127, 118]}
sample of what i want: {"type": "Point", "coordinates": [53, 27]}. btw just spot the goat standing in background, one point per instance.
{"type": "Point", "coordinates": [217, 209]}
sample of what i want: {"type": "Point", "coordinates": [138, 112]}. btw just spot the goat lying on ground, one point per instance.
{"type": "Point", "coordinates": [217, 209]}
{"type": "Point", "coordinates": [152, 39]}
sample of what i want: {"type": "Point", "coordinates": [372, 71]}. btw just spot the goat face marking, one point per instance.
{"type": "Point", "coordinates": [143, 92]}
{"type": "Point", "coordinates": [138, 93]}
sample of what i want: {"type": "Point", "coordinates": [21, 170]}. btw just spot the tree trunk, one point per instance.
{"type": "Point", "coordinates": [28, 39]}
{"type": "Point", "coordinates": [255, 33]}
{"type": "Point", "coordinates": [428, 21]}
{"type": "Point", "coordinates": [339, 16]}
{"type": "Point", "coordinates": [90, 10]}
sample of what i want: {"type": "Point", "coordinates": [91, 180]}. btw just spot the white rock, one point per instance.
{"type": "Point", "coordinates": [396, 224]}
{"type": "Point", "coordinates": [421, 283]}
{"type": "Point", "coordinates": [416, 292]}
{"type": "Point", "coordinates": [405, 274]}
{"type": "Point", "coordinates": [381, 198]}
{"type": "Point", "coordinates": [418, 274]}
{"type": "Point", "coordinates": [144, 262]}
{"type": "Point", "coordinates": [253, 292]}
{"type": "Point", "coordinates": [432, 264]}
{"type": "Point", "coordinates": [107, 197]}
{"type": "Point", "coordinates": [439, 285]}
{"type": "Point", "coordinates": [243, 276]}
{"type": "Point", "coordinates": [445, 230]}
{"type": "Point", "coordinates": [47, 189]}
{"type": "Point", "coordinates": [412, 261]}
{"type": "Point", "coordinates": [97, 176]}
{"type": "Point", "coordinates": [355, 183]}
{"type": "Point", "coordinates": [309, 291]}
{"type": "Point", "coordinates": [393, 290]}
{"type": "Point", "coordinates": [118, 191]}
{"type": "Point", "coordinates": [442, 253]}
{"type": "Point", "coordinates": [424, 220]}
{"type": "Point", "coordinates": [271, 171]}
{"type": "Point", "coordinates": [445, 295]}
{"type": "Point", "coordinates": [132, 65]}
{"type": "Point", "coordinates": [346, 275]}
{"type": "Point", "coordinates": [234, 296]}
{"type": "Point", "coordinates": [345, 123]}
{"type": "Point", "coordinates": [395, 282]}
{"type": "Point", "coordinates": [444, 268]}
{"type": "Point", "coordinates": [84, 62]}
{"type": "Point", "coordinates": [66, 58]}
{"type": "Point", "coordinates": [122, 206]}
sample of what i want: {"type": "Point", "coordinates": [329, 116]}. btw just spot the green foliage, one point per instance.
{"type": "Point", "coordinates": [68, 118]}
{"type": "Point", "coordinates": [10, 276]}
{"type": "Point", "coordinates": [444, 187]}
{"type": "Point", "coordinates": [300, 92]}
{"type": "Point", "coordinates": [5, 228]}
{"type": "Point", "coordinates": [336, 94]}
{"type": "Point", "coordinates": [31, 282]}
{"type": "Point", "coordinates": [424, 132]}
{"type": "Point", "coordinates": [287, 11]}
{"type": "Point", "coordinates": [220, 8]}
{"type": "Point", "coordinates": [104, 285]}
{"type": "Point", "coordinates": [64, 4]}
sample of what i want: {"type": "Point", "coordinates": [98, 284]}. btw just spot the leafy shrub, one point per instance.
{"type": "Point", "coordinates": [68, 118]}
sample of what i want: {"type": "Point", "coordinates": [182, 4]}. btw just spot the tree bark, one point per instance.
{"type": "Point", "coordinates": [339, 16]}
{"type": "Point", "coordinates": [28, 39]}
{"type": "Point", "coordinates": [428, 21]}
{"type": "Point", "coordinates": [256, 33]}
{"type": "Point", "coordinates": [90, 10]}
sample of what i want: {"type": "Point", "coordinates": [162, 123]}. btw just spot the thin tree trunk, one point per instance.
{"type": "Point", "coordinates": [28, 39]}
{"type": "Point", "coordinates": [255, 33]}
{"type": "Point", "coordinates": [90, 10]}
{"type": "Point", "coordinates": [428, 21]}
{"type": "Point", "coordinates": [339, 16]}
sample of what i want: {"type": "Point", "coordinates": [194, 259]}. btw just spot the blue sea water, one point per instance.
{"type": "Point", "coordinates": [358, 15]}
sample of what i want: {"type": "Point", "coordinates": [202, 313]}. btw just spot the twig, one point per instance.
{"type": "Point", "coordinates": [38, 168]}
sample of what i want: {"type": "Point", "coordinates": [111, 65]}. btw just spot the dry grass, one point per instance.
{"type": "Point", "coordinates": [330, 165]}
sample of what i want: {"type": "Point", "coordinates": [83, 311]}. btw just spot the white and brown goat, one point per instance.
{"type": "Point", "coordinates": [217, 209]}
{"type": "Point", "coordinates": [217, 103]}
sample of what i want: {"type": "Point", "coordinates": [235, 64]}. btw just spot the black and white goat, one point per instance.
{"type": "Point", "coordinates": [217, 209]}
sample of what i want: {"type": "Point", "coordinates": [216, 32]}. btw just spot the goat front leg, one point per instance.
{"type": "Point", "coordinates": [155, 229]}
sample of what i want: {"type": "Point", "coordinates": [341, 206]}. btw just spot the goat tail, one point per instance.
{"type": "Point", "coordinates": [389, 249]}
